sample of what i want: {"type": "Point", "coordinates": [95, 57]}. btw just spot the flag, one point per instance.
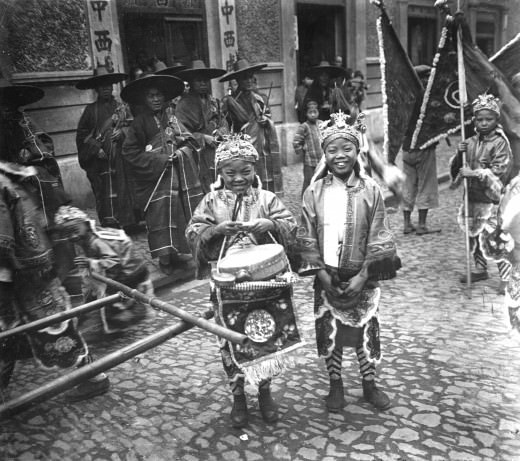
{"type": "Point", "coordinates": [440, 110]}
{"type": "Point", "coordinates": [400, 86]}
{"type": "Point", "coordinates": [507, 59]}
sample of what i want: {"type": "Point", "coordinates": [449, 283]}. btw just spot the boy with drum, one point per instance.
{"type": "Point", "coordinates": [238, 213]}
{"type": "Point", "coordinates": [346, 243]}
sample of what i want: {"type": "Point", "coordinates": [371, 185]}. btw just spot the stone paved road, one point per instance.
{"type": "Point", "coordinates": [451, 366]}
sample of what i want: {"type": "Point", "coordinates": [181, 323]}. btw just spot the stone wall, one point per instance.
{"type": "Point", "coordinates": [259, 30]}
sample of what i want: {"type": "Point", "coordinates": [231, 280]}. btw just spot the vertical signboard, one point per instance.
{"type": "Point", "coordinates": [104, 35]}
{"type": "Point", "coordinates": [228, 32]}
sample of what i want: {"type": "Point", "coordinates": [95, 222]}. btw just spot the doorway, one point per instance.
{"type": "Point", "coordinates": [321, 32]}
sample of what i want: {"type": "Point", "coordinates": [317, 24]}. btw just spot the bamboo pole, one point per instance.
{"type": "Point", "coordinates": [75, 377]}
{"type": "Point", "coordinates": [218, 330]}
{"type": "Point", "coordinates": [60, 316]}
{"type": "Point", "coordinates": [463, 101]}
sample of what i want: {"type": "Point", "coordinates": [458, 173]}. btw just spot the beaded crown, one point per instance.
{"type": "Point", "coordinates": [235, 146]}
{"type": "Point", "coordinates": [342, 125]}
{"type": "Point", "coordinates": [67, 213]}
{"type": "Point", "coordinates": [486, 102]}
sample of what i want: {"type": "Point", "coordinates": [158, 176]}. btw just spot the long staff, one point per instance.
{"type": "Point", "coordinates": [463, 100]}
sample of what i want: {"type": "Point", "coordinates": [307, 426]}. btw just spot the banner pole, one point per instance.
{"type": "Point", "coordinates": [463, 99]}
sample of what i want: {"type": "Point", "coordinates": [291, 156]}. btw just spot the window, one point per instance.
{"type": "Point", "coordinates": [422, 34]}
{"type": "Point", "coordinates": [487, 31]}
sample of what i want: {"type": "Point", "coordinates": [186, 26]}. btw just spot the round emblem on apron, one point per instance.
{"type": "Point", "coordinates": [259, 326]}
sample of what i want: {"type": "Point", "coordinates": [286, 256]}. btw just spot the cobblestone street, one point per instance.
{"type": "Point", "coordinates": [451, 366]}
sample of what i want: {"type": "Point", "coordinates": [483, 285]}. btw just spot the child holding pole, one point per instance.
{"type": "Point", "coordinates": [488, 158]}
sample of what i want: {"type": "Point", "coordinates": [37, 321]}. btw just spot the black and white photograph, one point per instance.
{"type": "Point", "coordinates": [260, 230]}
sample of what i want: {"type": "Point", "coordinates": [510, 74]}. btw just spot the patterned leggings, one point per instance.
{"type": "Point", "coordinates": [504, 267]}
{"type": "Point", "coordinates": [334, 363]}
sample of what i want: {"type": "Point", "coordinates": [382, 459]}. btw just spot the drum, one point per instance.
{"type": "Point", "coordinates": [262, 262]}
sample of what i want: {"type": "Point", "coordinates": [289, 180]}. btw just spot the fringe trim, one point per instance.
{"type": "Point", "coordinates": [384, 269]}
{"type": "Point", "coordinates": [384, 96]}
{"type": "Point", "coordinates": [427, 92]}
{"type": "Point", "coordinates": [264, 368]}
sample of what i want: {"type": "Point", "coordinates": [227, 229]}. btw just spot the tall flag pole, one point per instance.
{"type": "Point", "coordinates": [463, 99]}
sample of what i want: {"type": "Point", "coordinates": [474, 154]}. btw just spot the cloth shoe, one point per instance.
{"type": "Point", "coordinates": [422, 230]}
{"type": "Point", "coordinates": [408, 229]}
{"type": "Point", "coordinates": [336, 399]}
{"type": "Point", "coordinates": [88, 389]}
{"type": "Point", "coordinates": [375, 396]}
{"type": "Point", "coordinates": [267, 406]}
{"type": "Point", "coordinates": [239, 411]}
{"type": "Point", "coordinates": [475, 277]}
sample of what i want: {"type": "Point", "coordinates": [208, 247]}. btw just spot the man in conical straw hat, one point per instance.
{"type": "Point", "coordinates": [22, 142]}
{"type": "Point", "coordinates": [249, 111]}
{"type": "Point", "coordinates": [160, 153]}
{"type": "Point", "coordinates": [201, 113]}
{"type": "Point", "coordinates": [99, 140]}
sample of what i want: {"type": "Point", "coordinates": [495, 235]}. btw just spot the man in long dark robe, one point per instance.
{"type": "Point", "coordinates": [201, 114]}
{"type": "Point", "coordinates": [160, 154]}
{"type": "Point", "coordinates": [249, 112]}
{"type": "Point", "coordinates": [99, 141]}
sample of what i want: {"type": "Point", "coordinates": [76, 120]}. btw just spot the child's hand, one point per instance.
{"type": "Point", "coordinates": [228, 228]}
{"type": "Point", "coordinates": [260, 225]}
{"type": "Point", "coordinates": [326, 282]}
{"type": "Point", "coordinates": [463, 146]}
{"type": "Point", "coordinates": [355, 285]}
{"type": "Point", "coordinates": [467, 172]}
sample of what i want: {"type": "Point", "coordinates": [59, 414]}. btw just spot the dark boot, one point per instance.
{"type": "Point", "coordinates": [336, 398]}
{"type": "Point", "coordinates": [408, 226]}
{"type": "Point", "coordinates": [423, 229]}
{"type": "Point", "coordinates": [375, 396]}
{"type": "Point", "coordinates": [267, 406]}
{"type": "Point", "coordinates": [239, 411]}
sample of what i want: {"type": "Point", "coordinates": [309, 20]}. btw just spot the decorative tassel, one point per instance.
{"type": "Point", "coordinates": [384, 269]}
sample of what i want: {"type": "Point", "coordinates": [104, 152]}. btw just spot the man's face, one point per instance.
{"type": "Point", "coordinates": [154, 99]}
{"type": "Point", "coordinates": [307, 81]}
{"type": "Point", "coordinates": [247, 81]}
{"type": "Point", "coordinates": [324, 79]}
{"type": "Point", "coordinates": [200, 85]}
{"type": "Point", "coordinates": [104, 92]}
{"type": "Point", "coordinates": [338, 61]}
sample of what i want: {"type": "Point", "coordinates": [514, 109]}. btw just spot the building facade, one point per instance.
{"type": "Point", "coordinates": [69, 39]}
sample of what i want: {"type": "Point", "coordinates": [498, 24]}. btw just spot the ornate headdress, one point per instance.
{"type": "Point", "coordinates": [67, 213]}
{"type": "Point", "coordinates": [486, 102]}
{"type": "Point", "coordinates": [339, 127]}
{"type": "Point", "coordinates": [235, 146]}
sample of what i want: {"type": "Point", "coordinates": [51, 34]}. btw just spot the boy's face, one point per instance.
{"type": "Point", "coordinates": [313, 113]}
{"type": "Point", "coordinates": [341, 156]}
{"type": "Point", "coordinates": [238, 175]}
{"type": "Point", "coordinates": [485, 121]}
{"type": "Point", "coordinates": [74, 230]}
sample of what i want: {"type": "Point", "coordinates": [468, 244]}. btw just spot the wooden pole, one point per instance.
{"type": "Point", "coordinates": [79, 375]}
{"type": "Point", "coordinates": [463, 101]}
{"type": "Point", "coordinates": [60, 316]}
{"type": "Point", "coordinates": [218, 330]}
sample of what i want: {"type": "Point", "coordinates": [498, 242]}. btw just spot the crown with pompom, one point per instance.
{"type": "Point", "coordinates": [235, 146]}
{"type": "Point", "coordinates": [342, 125]}
{"type": "Point", "coordinates": [67, 213]}
{"type": "Point", "coordinates": [486, 102]}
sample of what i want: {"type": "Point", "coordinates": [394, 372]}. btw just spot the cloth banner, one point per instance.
{"type": "Point", "coordinates": [264, 312]}
{"type": "Point", "coordinates": [440, 110]}
{"type": "Point", "coordinates": [400, 86]}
